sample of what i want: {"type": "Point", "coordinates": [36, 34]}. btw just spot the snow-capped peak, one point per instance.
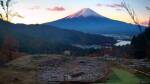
{"type": "Point", "coordinates": [84, 13]}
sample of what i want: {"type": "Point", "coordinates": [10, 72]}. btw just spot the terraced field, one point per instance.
{"type": "Point", "coordinates": [27, 69]}
{"type": "Point", "coordinates": [50, 68]}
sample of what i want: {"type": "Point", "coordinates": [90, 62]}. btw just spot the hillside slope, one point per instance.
{"type": "Point", "coordinates": [42, 37]}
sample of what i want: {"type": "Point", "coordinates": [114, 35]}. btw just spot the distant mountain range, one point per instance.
{"type": "Point", "coordinates": [88, 21]}
{"type": "Point", "coordinates": [42, 37]}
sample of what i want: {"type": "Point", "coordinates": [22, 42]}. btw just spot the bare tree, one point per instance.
{"type": "Point", "coordinates": [149, 23]}
{"type": "Point", "coordinates": [10, 46]}
{"type": "Point", "coordinates": [6, 13]}
{"type": "Point", "coordinates": [133, 16]}
{"type": "Point", "coordinates": [5, 6]}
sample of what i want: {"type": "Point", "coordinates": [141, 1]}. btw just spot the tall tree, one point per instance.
{"type": "Point", "coordinates": [141, 43]}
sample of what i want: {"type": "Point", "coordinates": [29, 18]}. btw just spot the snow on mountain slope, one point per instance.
{"type": "Point", "coordinates": [86, 12]}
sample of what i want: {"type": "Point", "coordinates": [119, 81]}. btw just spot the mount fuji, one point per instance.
{"type": "Point", "coordinates": [88, 21]}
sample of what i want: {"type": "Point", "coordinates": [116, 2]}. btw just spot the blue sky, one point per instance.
{"type": "Point", "coordinates": [40, 11]}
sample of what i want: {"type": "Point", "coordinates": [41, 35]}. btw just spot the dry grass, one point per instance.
{"type": "Point", "coordinates": [12, 76]}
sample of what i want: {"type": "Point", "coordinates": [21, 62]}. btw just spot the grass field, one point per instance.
{"type": "Point", "coordinates": [120, 76]}
{"type": "Point", "coordinates": [143, 77]}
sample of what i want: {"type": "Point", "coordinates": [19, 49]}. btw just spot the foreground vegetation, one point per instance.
{"type": "Point", "coordinates": [120, 76]}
